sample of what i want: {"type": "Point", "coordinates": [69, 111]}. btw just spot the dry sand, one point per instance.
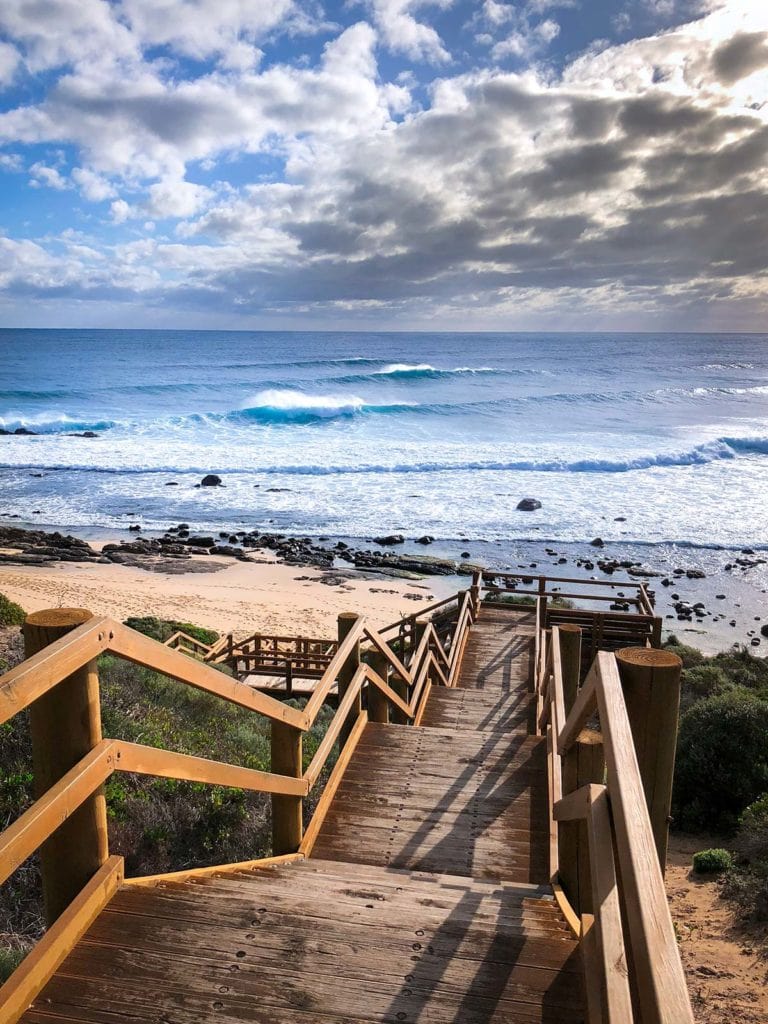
{"type": "Point", "coordinates": [724, 961]}
{"type": "Point", "coordinates": [241, 598]}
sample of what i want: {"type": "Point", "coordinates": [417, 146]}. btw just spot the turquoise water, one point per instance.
{"type": "Point", "coordinates": [351, 434]}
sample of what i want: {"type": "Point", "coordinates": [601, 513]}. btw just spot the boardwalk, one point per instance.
{"type": "Point", "coordinates": [425, 897]}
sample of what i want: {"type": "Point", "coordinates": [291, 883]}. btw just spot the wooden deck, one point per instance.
{"type": "Point", "coordinates": [425, 897]}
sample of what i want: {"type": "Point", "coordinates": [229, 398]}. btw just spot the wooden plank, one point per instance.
{"type": "Point", "coordinates": [24, 684]}
{"type": "Point", "coordinates": [142, 650]}
{"type": "Point", "coordinates": [134, 757]}
{"type": "Point", "coordinates": [211, 871]}
{"type": "Point", "coordinates": [661, 982]}
{"type": "Point", "coordinates": [325, 801]}
{"type": "Point", "coordinates": [583, 707]}
{"type": "Point", "coordinates": [325, 746]}
{"type": "Point", "coordinates": [383, 647]}
{"type": "Point", "coordinates": [608, 932]}
{"type": "Point", "coordinates": [30, 977]}
{"type": "Point", "coordinates": [26, 834]}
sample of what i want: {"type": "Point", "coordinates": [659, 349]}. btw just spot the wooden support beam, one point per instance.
{"type": "Point", "coordinates": [346, 623]}
{"type": "Point", "coordinates": [65, 724]}
{"type": "Point", "coordinates": [583, 764]}
{"type": "Point", "coordinates": [570, 662]}
{"type": "Point", "coordinates": [287, 821]}
{"type": "Point", "coordinates": [378, 705]}
{"type": "Point", "coordinates": [650, 680]}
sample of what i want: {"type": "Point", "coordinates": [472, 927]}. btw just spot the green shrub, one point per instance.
{"type": "Point", "coordinates": [9, 961]}
{"type": "Point", "coordinates": [751, 842]}
{"type": "Point", "coordinates": [162, 629]}
{"type": "Point", "coordinates": [11, 614]}
{"type": "Point", "coordinates": [722, 760]}
{"type": "Point", "coordinates": [712, 862]}
{"type": "Point", "coordinates": [689, 656]}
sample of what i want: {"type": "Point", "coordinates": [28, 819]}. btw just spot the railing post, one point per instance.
{"type": "Point", "coordinates": [287, 824]}
{"type": "Point", "coordinates": [474, 594]}
{"type": "Point", "coordinates": [543, 601]}
{"type": "Point", "coordinates": [65, 724]}
{"type": "Point", "coordinates": [570, 663]}
{"type": "Point", "coordinates": [346, 621]}
{"type": "Point", "coordinates": [583, 763]}
{"type": "Point", "coordinates": [650, 680]}
{"type": "Point", "coordinates": [378, 705]}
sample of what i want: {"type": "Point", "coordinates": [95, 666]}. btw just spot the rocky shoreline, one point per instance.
{"type": "Point", "coordinates": [718, 600]}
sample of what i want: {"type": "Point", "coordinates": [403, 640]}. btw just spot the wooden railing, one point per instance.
{"type": "Point", "coordinates": [604, 626]}
{"type": "Point", "coordinates": [606, 854]}
{"type": "Point", "coordinates": [58, 682]}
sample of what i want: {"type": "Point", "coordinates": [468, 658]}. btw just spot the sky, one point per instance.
{"type": "Point", "coordinates": [384, 164]}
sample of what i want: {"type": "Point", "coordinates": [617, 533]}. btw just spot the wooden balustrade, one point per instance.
{"type": "Point", "coordinates": [598, 782]}
{"type": "Point", "coordinates": [604, 802]}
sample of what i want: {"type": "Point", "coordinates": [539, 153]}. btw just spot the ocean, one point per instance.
{"type": "Point", "coordinates": [646, 438]}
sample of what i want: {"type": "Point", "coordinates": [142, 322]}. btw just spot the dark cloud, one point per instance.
{"type": "Point", "coordinates": [740, 55]}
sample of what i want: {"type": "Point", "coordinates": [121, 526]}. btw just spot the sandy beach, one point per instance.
{"type": "Point", "coordinates": [241, 598]}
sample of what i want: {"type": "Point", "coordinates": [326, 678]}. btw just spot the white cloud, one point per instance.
{"type": "Point", "coordinates": [636, 179]}
{"type": "Point", "coordinates": [120, 211]}
{"type": "Point", "coordinates": [48, 176]}
{"type": "Point", "coordinates": [93, 187]}
{"type": "Point", "coordinates": [402, 33]}
{"type": "Point", "coordinates": [9, 61]}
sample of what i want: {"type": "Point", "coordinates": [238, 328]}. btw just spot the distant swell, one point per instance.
{"type": "Point", "coordinates": [701, 455]}
{"type": "Point", "coordinates": [282, 406]}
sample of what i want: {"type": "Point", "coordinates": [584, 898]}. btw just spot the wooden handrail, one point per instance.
{"type": "Point", "coordinates": [328, 678]}
{"type": "Point", "coordinates": [135, 757]}
{"type": "Point", "coordinates": [22, 685]}
{"type": "Point", "coordinates": [616, 815]}
{"type": "Point", "coordinates": [31, 829]}
{"type": "Point", "coordinates": [143, 651]}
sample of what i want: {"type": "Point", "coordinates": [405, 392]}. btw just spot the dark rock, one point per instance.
{"type": "Point", "coordinates": [695, 574]}
{"type": "Point", "coordinates": [24, 432]}
{"type": "Point", "coordinates": [528, 505]}
{"type": "Point", "coordinates": [84, 433]}
{"type": "Point", "coordinates": [597, 542]}
{"type": "Point", "coordinates": [426, 539]}
{"type": "Point", "coordinates": [201, 542]}
{"type": "Point", "coordinates": [134, 529]}
{"type": "Point", "coordinates": [390, 540]}
{"type": "Point", "coordinates": [171, 483]}
{"type": "Point", "coordinates": [764, 630]}
{"type": "Point", "coordinates": [466, 554]}
{"type": "Point", "coordinates": [620, 519]}
{"type": "Point", "coordinates": [211, 480]}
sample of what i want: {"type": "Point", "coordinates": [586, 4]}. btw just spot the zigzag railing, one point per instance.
{"type": "Point", "coordinates": [80, 877]}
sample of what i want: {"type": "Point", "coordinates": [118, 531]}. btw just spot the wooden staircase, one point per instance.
{"type": "Point", "coordinates": [425, 897]}
{"type": "Point", "coordinates": [433, 882]}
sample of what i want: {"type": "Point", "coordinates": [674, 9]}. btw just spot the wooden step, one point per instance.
{"type": "Point", "coordinates": [315, 943]}
{"type": "Point", "coordinates": [465, 803]}
{"type": "Point", "coordinates": [499, 652]}
{"type": "Point", "coordinates": [486, 710]}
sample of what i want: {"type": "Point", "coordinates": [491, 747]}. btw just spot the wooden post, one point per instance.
{"type": "Point", "coordinates": [378, 705]}
{"type": "Point", "coordinates": [582, 764]}
{"type": "Point", "coordinates": [65, 725]}
{"type": "Point", "coordinates": [287, 824]}
{"type": "Point", "coordinates": [650, 680]}
{"type": "Point", "coordinates": [570, 663]}
{"type": "Point", "coordinates": [474, 594]}
{"type": "Point", "coordinates": [346, 621]}
{"type": "Point", "coordinates": [543, 596]}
